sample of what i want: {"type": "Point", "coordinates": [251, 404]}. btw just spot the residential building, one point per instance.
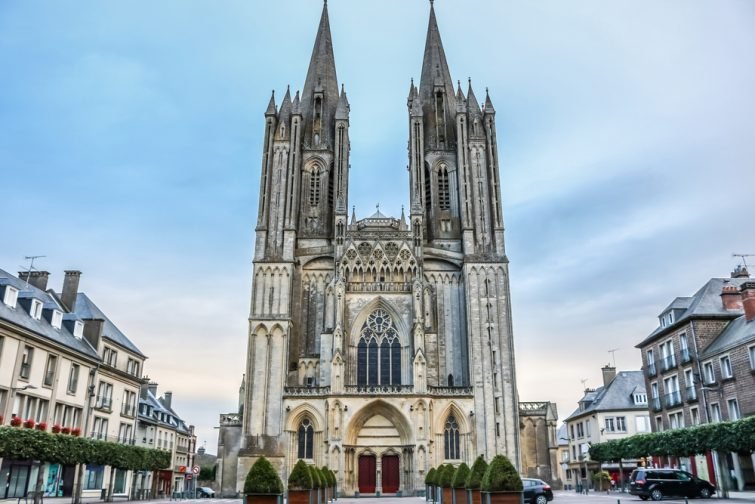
{"type": "Point", "coordinates": [65, 365]}
{"type": "Point", "coordinates": [617, 409]}
{"type": "Point", "coordinates": [379, 346]}
{"type": "Point", "coordinates": [698, 365]}
{"type": "Point", "coordinates": [161, 428]}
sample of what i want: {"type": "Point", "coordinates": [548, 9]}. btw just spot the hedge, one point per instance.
{"type": "Point", "coordinates": [33, 444]}
{"type": "Point", "coordinates": [460, 476]}
{"type": "Point", "coordinates": [738, 437]}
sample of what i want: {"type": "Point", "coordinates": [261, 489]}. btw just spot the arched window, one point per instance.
{"type": "Point", "coordinates": [444, 199]}
{"type": "Point", "coordinates": [314, 187]}
{"type": "Point", "coordinates": [379, 351]}
{"type": "Point", "coordinates": [450, 380]}
{"type": "Point", "coordinates": [451, 439]}
{"type": "Point", "coordinates": [306, 437]}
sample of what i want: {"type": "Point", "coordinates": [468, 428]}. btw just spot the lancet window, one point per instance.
{"type": "Point", "coordinates": [306, 437]}
{"type": "Point", "coordinates": [451, 439]}
{"type": "Point", "coordinates": [379, 351]}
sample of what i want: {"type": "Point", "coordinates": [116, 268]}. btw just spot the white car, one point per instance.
{"type": "Point", "coordinates": [205, 492]}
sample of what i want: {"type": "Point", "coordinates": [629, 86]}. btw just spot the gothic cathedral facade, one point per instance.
{"type": "Point", "coordinates": [383, 346]}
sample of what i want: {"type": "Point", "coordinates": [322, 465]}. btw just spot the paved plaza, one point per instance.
{"type": "Point", "coordinates": [560, 497]}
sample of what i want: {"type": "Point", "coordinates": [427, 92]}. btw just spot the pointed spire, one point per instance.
{"type": "Point", "coordinates": [321, 76]}
{"type": "Point", "coordinates": [296, 106]}
{"type": "Point", "coordinates": [284, 114]}
{"type": "Point", "coordinates": [354, 215]}
{"type": "Point", "coordinates": [488, 103]}
{"type": "Point", "coordinates": [472, 104]}
{"type": "Point", "coordinates": [434, 65]}
{"type": "Point", "coordinates": [271, 110]}
{"type": "Point", "coordinates": [461, 102]}
{"type": "Point", "coordinates": [342, 111]}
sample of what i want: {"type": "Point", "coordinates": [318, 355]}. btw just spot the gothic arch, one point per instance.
{"type": "Point", "coordinates": [455, 410]}
{"type": "Point", "coordinates": [379, 407]}
{"type": "Point", "coordinates": [379, 302]}
{"type": "Point", "coordinates": [298, 414]}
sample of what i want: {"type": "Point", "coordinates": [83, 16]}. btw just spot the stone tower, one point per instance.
{"type": "Point", "coordinates": [381, 346]}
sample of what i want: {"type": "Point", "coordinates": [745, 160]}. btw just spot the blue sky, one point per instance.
{"type": "Point", "coordinates": [130, 137]}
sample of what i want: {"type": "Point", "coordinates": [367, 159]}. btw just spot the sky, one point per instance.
{"type": "Point", "coordinates": [130, 149]}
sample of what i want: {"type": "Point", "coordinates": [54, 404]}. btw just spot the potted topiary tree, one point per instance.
{"type": "Point", "coordinates": [262, 485]}
{"type": "Point", "coordinates": [430, 484]}
{"type": "Point", "coordinates": [501, 483]}
{"type": "Point", "coordinates": [317, 485]}
{"type": "Point", "coordinates": [445, 478]}
{"type": "Point", "coordinates": [299, 484]}
{"type": "Point", "coordinates": [475, 479]}
{"type": "Point", "coordinates": [458, 483]}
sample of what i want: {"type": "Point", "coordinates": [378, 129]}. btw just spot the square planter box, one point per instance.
{"type": "Point", "coordinates": [502, 497]}
{"type": "Point", "coordinates": [264, 499]}
{"type": "Point", "coordinates": [298, 496]}
{"type": "Point", "coordinates": [474, 497]}
{"type": "Point", "coordinates": [460, 495]}
{"type": "Point", "coordinates": [448, 495]}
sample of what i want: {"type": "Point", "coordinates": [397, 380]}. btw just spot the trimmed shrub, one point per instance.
{"type": "Point", "coordinates": [300, 477]}
{"type": "Point", "coordinates": [501, 476]}
{"type": "Point", "coordinates": [460, 476]}
{"type": "Point", "coordinates": [430, 477]}
{"type": "Point", "coordinates": [474, 480]}
{"type": "Point", "coordinates": [263, 479]}
{"type": "Point", "coordinates": [317, 481]}
{"type": "Point", "coordinates": [446, 476]}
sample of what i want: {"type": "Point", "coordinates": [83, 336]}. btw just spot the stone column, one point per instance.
{"type": "Point", "coordinates": [378, 475]}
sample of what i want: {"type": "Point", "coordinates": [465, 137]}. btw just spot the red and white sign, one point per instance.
{"type": "Point", "coordinates": [195, 469]}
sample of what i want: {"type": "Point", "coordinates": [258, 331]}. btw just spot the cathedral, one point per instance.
{"type": "Point", "coordinates": [382, 346]}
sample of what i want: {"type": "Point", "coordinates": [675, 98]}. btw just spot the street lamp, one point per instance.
{"type": "Point", "coordinates": [80, 472]}
{"type": "Point", "coordinates": [12, 396]}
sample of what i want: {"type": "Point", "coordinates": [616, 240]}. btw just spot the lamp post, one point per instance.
{"type": "Point", "coordinates": [80, 472]}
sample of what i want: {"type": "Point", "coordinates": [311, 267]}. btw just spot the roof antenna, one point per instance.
{"type": "Point", "coordinates": [584, 383]}
{"type": "Point", "coordinates": [31, 266]}
{"type": "Point", "coordinates": [613, 355]}
{"type": "Point", "coordinates": [743, 257]}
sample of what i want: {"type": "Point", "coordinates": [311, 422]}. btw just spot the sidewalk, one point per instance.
{"type": "Point", "coordinates": [747, 496]}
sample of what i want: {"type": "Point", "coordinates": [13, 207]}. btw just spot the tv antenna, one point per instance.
{"type": "Point", "coordinates": [31, 267]}
{"type": "Point", "coordinates": [744, 258]}
{"type": "Point", "coordinates": [584, 383]}
{"type": "Point", "coordinates": [613, 355]}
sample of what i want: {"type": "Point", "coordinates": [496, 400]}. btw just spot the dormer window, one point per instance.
{"type": "Point", "coordinates": [640, 399]}
{"type": "Point", "coordinates": [57, 319]}
{"type": "Point", "coordinates": [11, 297]}
{"type": "Point", "coordinates": [35, 310]}
{"type": "Point", "coordinates": [78, 328]}
{"type": "Point", "coordinates": [667, 319]}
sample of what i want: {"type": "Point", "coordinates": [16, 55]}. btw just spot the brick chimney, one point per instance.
{"type": "Point", "coordinates": [730, 297]}
{"type": "Point", "coordinates": [70, 289]}
{"type": "Point", "coordinates": [36, 278]}
{"type": "Point", "coordinates": [748, 300]}
{"type": "Point", "coordinates": [609, 373]}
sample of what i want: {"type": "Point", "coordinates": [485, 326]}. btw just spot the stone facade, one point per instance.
{"type": "Point", "coordinates": [379, 346]}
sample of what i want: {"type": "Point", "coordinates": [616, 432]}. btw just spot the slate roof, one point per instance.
{"type": "Point", "coordinates": [738, 332]}
{"type": "Point", "coordinates": [20, 317]}
{"type": "Point", "coordinates": [705, 303]}
{"type": "Point", "coordinates": [617, 395]}
{"type": "Point", "coordinates": [176, 422]}
{"type": "Point", "coordinates": [86, 309]}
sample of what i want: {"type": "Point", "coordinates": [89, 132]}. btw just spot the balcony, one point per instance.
{"type": "Point", "coordinates": [668, 363]}
{"type": "Point", "coordinates": [673, 399]}
{"type": "Point", "coordinates": [651, 370]}
{"type": "Point", "coordinates": [128, 410]}
{"type": "Point", "coordinates": [378, 389]}
{"type": "Point", "coordinates": [306, 391]}
{"type": "Point", "coordinates": [452, 391]}
{"type": "Point", "coordinates": [690, 394]}
{"type": "Point", "coordinates": [104, 404]}
{"type": "Point", "coordinates": [379, 287]}
{"type": "Point", "coordinates": [655, 403]}
{"type": "Point", "coordinates": [685, 356]}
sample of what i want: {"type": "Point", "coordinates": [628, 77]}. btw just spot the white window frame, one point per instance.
{"type": "Point", "coordinates": [709, 373]}
{"type": "Point", "coordinates": [694, 415]}
{"type": "Point", "coordinates": [676, 420]}
{"type": "Point", "coordinates": [78, 328]}
{"type": "Point", "coordinates": [11, 297]}
{"type": "Point", "coordinates": [715, 412]}
{"type": "Point", "coordinates": [57, 319]}
{"type": "Point", "coordinates": [621, 424]}
{"type": "Point", "coordinates": [734, 413]}
{"type": "Point", "coordinates": [726, 370]}
{"type": "Point", "coordinates": [35, 309]}
{"type": "Point", "coordinates": [751, 350]}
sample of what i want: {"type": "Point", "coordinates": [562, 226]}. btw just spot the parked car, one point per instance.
{"type": "Point", "coordinates": [536, 491]}
{"type": "Point", "coordinates": [649, 483]}
{"type": "Point", "coordinates": [205, 492]}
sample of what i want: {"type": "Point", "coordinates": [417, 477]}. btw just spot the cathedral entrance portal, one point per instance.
{"type": "Point", "coordinates": [367, 474]}
{"type": "Point", "coordinates": [390, 473]}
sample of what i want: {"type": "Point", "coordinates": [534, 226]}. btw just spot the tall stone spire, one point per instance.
{"type": "Point", "coordinates": [436, 89]}
{"type": "Point", "coordinates": [319, 98]}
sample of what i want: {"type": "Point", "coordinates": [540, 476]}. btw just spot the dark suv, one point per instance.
{"type": "Point", "coordinates": [659, 483]}
{"type": "Point", "coordinates": [536, 491]}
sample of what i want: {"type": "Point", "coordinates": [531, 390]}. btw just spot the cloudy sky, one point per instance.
{"type": "Point", "coordinates": [130, 135]}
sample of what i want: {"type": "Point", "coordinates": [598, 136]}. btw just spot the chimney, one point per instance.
{"type": "Point", "coordinates": [748, 300]}
{"type": "Point", "coordinates": [740, 272]}
{"type": "Point", "coordinates": [143, 391]}
{"type": "Point", "coordinates": [36, 278]}
{"type": "Point", "coordinates": [609, 373]}
{"type": "Point", "coordinates": [730, 297]}
{"type": "Point", "coordinates": [167, 399]}
{"type": "Point", "coordinates": [152, 386]}
{"type": "Point", "coordinates": [93, 332]}
{"type": "Point", "coordinates": [70, 289]}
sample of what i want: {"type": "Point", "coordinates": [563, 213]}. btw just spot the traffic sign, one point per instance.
{"type": "Point", "coordinates": [182, 469]}
{"type": "Point", "coordinates": [189, 476]}
{"type": "Point", "coordinates": [195, 469]}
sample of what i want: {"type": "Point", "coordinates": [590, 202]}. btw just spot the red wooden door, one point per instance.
{"type": "Point", "coordinates": [390, 474]}
{"type": "Point", "coordinates": [367, 468]}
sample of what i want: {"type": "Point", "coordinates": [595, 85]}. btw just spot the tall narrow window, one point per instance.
{"type": "Point", "coordinates": [451, 439]}
{"type": "Point", "coordinates": [52, 364]}
{"type": "Point", "coordinates": [314, 187]}
{"type": "Point", "coordinates": [379, 351]}
{"type": "Point", "coordinates": [306, 437]}
{"type": "Point", "coordinates": [444, 199]}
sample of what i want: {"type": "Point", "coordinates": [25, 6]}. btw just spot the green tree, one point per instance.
{"type": "Point", "coordinates": [501, 476]}
{"type": "Point", "coordinates": [263, 479]}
